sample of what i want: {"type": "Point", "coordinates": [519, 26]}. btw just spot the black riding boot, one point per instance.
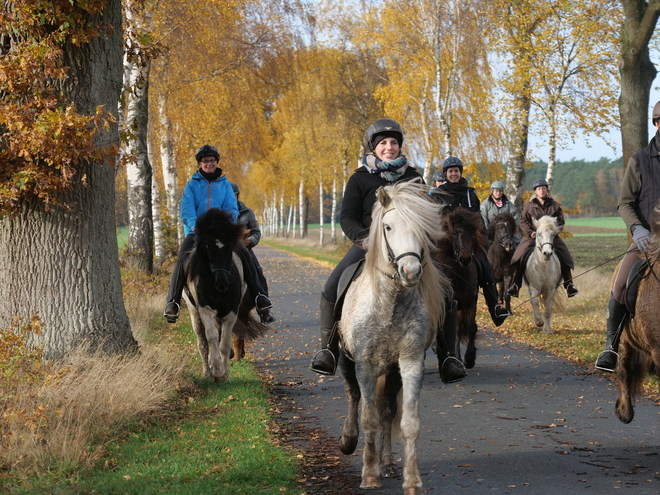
{"type": "Point", "coordinates": [571, 290]}
{"type": "Point", "coordinates": [177, 282]}
{"type": "Point", "coordinates": [450, 367]}
{"type": "Point", "coordinates": [325, 360]}
{"type": "Point", "coordinates": [616, 316]}
{"type": "Point", "coordinates": [516, 280]}
{"type": "Point", "coordinates": [261, 300]}
{"type": "Point", "coordinates": [498, 313]}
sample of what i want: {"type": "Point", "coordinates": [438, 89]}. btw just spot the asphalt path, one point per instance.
{"type": "Point", "coordinates": [522, 421]}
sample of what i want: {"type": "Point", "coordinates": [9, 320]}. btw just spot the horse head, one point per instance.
{"type": "Point", "coordinates": [402, 249]}
{"type": "Point", "coordinates": [216, 238]}
{"type": "Point", "coordinates": [503, 229]}
{"type": "Point", "coordinates": [464, 232]}
{"type": "Point", "coordinates": [546, 231]}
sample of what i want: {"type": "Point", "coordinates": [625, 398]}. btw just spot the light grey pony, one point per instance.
{"type": "Point", "coordinates": [389, 319]}
{"type": "Point", "coordinates": [543, 272]}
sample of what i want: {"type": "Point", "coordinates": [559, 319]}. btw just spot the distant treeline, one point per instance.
{"type": "Point", "coordinates": [591, 188]}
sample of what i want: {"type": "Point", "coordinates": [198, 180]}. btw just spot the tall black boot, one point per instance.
{"type": "Point", "coordinates": [325, 360]}
{"type": "Point", "coordinates": [257, 291]}
{"type": "Point", "coordinates": [498, 313]}
{"type": "Point", "coordinates": [450, 367]}
{"type": "Point", "coordinates": [616, 318]}
{"type": "Point", "coordinates": [516, 280]}
{"type": "Point", "coordinates": [571, 290]}
{"type": "Point", "coordinates": [177, 282]}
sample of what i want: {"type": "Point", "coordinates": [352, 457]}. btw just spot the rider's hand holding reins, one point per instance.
{"type": "Point", "coordinates": [641, 236]}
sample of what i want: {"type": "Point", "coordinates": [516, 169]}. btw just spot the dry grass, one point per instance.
{"type": "Point", "coordinates": [62, 414]}
{"type": "Point", "coordinates": [84, 402]}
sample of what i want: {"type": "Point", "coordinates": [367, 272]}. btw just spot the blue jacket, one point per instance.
{"type": "Point", "coordinates": [201, 195]}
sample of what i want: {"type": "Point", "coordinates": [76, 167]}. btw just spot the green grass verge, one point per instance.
{"type": "Point", "coordinates": [215, 438]}
{"type": "Point", "coordinates": [602, 222]}
{"type": "Point", "coordinates": [330, 255]}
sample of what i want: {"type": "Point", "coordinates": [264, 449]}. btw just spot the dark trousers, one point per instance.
{"type": "Point", "coordinates": [353, 255]}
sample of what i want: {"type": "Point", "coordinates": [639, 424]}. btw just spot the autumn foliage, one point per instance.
{"type": "Point", "coordinates": [43, 138]}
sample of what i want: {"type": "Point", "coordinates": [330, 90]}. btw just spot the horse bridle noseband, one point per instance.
{"type": "Point", "coordinates": [394, 260]}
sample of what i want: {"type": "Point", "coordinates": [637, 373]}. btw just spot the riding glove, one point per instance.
{"type": "Point", "coordinates": [641, 236]}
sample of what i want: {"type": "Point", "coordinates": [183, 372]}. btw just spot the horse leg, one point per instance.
{"type": "Point", "coordinates": [239, 348]}
{"type": "Point", "coordinates": [387, 412]}
{"type": "Point", "coordinates": [370, 424]}
{"type": "Point", "coordinates": [202, 343]}
{"type": "Point", "coordinates": [548, 302]}
{"type": "Point", "coordinates": [627, 374]}
{"type": "Point", "coordinates": [224, 347]}
{"type": "Point", "coordinates": [536, 310]}
{"type": "Point", "coordinates": [412, 374]}
{"type": "Point", "coordinates": [350, 432]}
{"type": "Point", "coordinates": [471, 332]}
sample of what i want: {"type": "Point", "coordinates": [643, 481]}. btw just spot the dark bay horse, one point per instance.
{"type": "Point", "coordinates": [455, 254]}
{"type": "Point", "coordinates": [501, 232]}
{"type": "Point", "coordinates": [216, 293]}
{"type": "Point", "coordinates": [639, 348]}
{"type": "Point", "coordinates": [389, 319]}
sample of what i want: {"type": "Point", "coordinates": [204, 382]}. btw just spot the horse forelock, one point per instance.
{"type": "Point", "coordinates": [547, 222]}
{"type": "Point", "coordinates": [466, 219]}
{"type": "Point", "coordinates": [218, 224]}
{"type": "Point", "coordinates": [411, 201]}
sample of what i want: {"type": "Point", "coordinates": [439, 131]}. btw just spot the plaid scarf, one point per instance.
{"type": "Point", "coordinates": [390, 171]}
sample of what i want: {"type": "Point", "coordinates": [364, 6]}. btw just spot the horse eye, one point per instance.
{"type": "Point", "coordinates": [387, 228]}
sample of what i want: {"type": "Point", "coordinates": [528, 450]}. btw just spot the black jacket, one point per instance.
{"type": "Point", "coordinates": [246, 217]}
{"type": "Point", "coordinates": [458, 195]}
{"type": "Point", "coordinates": [359, 200]}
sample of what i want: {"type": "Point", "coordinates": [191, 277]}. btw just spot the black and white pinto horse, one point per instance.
{"type": "Point", "coordinates": [216, 292]}
{"type": "Point", "coordinates": [389, 319]}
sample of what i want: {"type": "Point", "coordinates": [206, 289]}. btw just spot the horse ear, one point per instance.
{"type": "Point", "coordinates": [536, 222]}
{"type": "Point", "coordinates": [383, 198]}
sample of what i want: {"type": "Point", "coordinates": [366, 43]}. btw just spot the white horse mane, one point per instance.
{"type": "Point", "coordinates": [548, 223]}
{"type": "Point", "coordinates": [412, 202]}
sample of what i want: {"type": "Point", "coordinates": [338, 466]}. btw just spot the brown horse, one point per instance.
{"type": "Point", "coordinates": [456, 255]}
{"type": "Point", "coordinates": [501, 232]}
{"type": "Point", "coordinates": [639, 348]}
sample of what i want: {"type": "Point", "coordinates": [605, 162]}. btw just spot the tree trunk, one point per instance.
{"type": "Point", "coordinates": [552, 145]}
{"type": "Point", "coordinates": [637, 73]}
{"type": "Point", "coordinates": [333, 212]}
{"type": "Point", "coordinates": [159, 248]}
{"type": "Point", "coordinates": [321, 213]}
{"type": "Point", "coordinates": [138, 168]}
{"type": "Point", "coordinates": [518, 140]}
{"type": "Point", "coordinates": [301, 208]}
{"type": "Point", "coordinates": [64, 265]}
{"type": "Point", "coordinates": [169, 171]}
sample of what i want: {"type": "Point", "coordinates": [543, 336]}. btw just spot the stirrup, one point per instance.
{"type": "Point", "coordinates": [501, 311]}
{"type": "Point", "coordinates": [323, 371]}
{"type": "Point", "coordinates": [603, 368]}
{"type": "Point", "coordinates": [456, 378]}
{"type": "Point", "coordinates": [171, 318]}
{"type": "Point", "coordinates": [514, 290]}
{"type": "Point", "coordinates": [256, 303]}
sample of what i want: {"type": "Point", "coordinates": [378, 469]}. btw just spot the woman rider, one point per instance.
{"type": "Point", "coordinates": [537, 207]}
{"type": "Point", "coordinates": [458, 194]}
{"type": "Point", "coordinates": [207, 189]}
{"type": "Point", "coordinates": [383, 165]}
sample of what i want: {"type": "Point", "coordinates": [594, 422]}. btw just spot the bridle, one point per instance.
{"type": "Point", "coordinates": [214, 270]}
{"type": "Point", "coordinates": [457, 251]}
{"type": "Point", "coordinates": [392, 258]}
{"type": "Point", "coordinates": [540, 246]}
{"type": "Point", "coordinates": [504, 236]}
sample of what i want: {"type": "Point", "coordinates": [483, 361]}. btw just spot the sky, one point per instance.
{"type": "Point", "coordinates": [598, 149]}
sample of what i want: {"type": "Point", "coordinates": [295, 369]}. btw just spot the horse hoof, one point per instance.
{"type": "Point", "coordinates": [390, 471]}
{"type": "Point", "coordinates": [412, 491]}
{"type": "Point", "coordinates": [370, 483]}
{"type": "Point", "coordinates": [347, 445]}
{"type": "Point", "coordinates": [470, 358]}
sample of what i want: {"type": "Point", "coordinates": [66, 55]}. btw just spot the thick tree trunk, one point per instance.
{"type": "Point", "coordinates": [64, 265]}
{"type": "Point", "coordinates": [637, 73]}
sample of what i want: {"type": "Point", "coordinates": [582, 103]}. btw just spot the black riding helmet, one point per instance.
{"type": "Point", "coordinates": [207, 150]}
{"type": "Point", "coordinates": [381, 129]}
{"type": "Point", "coordinates": [539, 183]}
{"type": "Point", "coordinates": [452, 161]}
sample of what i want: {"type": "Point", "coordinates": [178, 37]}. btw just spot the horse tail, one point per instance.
{"type": "Point", "coordinates": [249, 329]}
{"type": "Point", "coordinates": [638, 365]}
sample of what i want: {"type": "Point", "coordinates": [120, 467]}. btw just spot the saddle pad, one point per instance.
{"type": "Point", "coordinates": [350, 273]}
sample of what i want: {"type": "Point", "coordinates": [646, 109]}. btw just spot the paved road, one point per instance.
{"type": "Point", "coordinates": [523, 420]}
